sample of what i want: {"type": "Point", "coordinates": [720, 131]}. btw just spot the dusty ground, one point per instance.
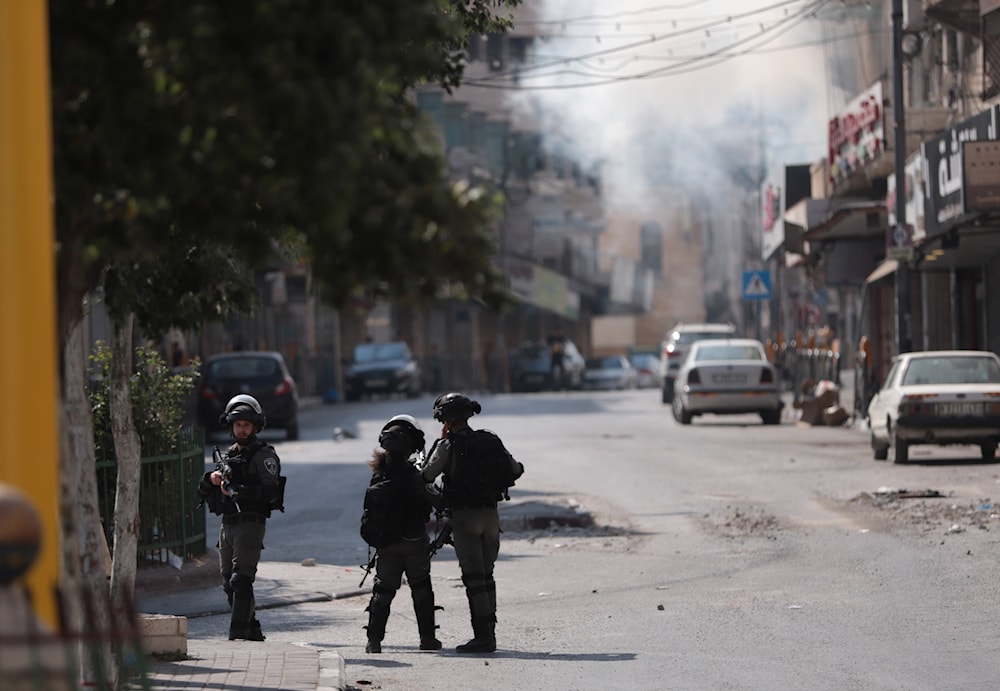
{"type": "Point", "coordinates": [926, 513]}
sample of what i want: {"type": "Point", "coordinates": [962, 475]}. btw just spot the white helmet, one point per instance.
{"type": "Point", "coordinates": [244, 407]}
{"type": "Point", "coordinates": [402, 434]}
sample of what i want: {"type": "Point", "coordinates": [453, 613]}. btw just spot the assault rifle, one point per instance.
{"type": "Point", "coordinates": [443, 536]}
{"type": "Point", "coordinates": [368, 568]}
{"type": "Point", "coordinates": [226, 471]}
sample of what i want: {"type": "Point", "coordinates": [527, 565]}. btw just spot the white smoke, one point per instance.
{"type": "Point", "coordinates": [678, 92]}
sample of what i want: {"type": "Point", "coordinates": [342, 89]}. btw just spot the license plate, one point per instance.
{"type": "Point", "coordinates": [729, 378]}
{"type": "Point", "coordinates": [963, 408]}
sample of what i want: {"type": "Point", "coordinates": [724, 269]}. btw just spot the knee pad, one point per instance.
{"type": "Point", "coordinates": [241, 585]}
{"type": "Point", "coordinates": [421, 586]}
{"type": "Point", "coordinates": [382, 595]}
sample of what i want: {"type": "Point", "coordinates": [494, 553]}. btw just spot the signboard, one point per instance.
{"type": "Point", "coordinates": [981, 176]}
{"type": "Point", "coordinates": [542, 287]}
{"type": "Point", "coordinates": [857, 135]}
{"type": "Point", "coordinates": [899, 242]}
{"type": "Point", "coordinates": [914, 201]}
{"type": "Point", "coordinates": [756, 285]}
{"type": "Point", "coordinates": [773, 222]}
{"type": "Point", "coordinates": [943, 183]}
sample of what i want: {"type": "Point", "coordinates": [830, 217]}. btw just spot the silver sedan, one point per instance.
{"type": "Point", "coordinates": [937, 397]}
{"type": "Point", "coordinates": [727, 377]}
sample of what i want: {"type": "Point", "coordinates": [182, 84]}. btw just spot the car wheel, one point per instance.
{"type": "Point", "coordinates": [988, 450]}
{"type": "Point", "coordinates": [771, 417]}
{"type": "Point", "coordinates": [900, 450]}
{"type": "Point", "coordinates": [881, 451]}
{"type": "Point", "coordinates": [667, 393]}
{"type": "Point", "coordinates": [680, 412]}
{"type": "Point", "coordinates": [292, 431]}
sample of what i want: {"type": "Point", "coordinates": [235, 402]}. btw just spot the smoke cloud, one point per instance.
{"type": "Point", "coordinates": [678, 93]}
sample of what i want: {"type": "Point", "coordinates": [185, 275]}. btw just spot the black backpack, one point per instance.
{"type": "Point", "coordinates": [482, 471]}
{"type": "Point", "coordinates": [382, 519]}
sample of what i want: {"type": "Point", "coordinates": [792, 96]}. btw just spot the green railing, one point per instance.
{"type": "Point", "coordinates": [170, 521]}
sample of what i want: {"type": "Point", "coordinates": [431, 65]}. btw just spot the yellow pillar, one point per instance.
{"type": "Point", "coordinates": [28, 342]}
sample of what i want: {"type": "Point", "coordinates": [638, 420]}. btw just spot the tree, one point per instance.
{"type": "Point", "coordinates": [193, 140]}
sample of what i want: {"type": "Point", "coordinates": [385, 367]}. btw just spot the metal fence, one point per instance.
{"type": "Point", "coordinates": [171, 525]}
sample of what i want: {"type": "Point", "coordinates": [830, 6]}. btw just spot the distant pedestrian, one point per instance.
{"type": "Point", "coordinates": [460, 455]}
{"type": "Point", "coordinates": [556, 370]}
{"type": "Point", "coordinates": [397, 508]}
{"type": "Point", "coordinates": [244, 494]}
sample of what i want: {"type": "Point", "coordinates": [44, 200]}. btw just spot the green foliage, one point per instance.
{"type": "Point", "coordinates": [192, 139]}
{"type": "Point", "coordinates": [159, 396]}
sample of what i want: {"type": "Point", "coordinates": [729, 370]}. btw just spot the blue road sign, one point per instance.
{"type": "Point", "coordinates": [756, 285]}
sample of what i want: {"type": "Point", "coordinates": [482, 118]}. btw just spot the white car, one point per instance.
{"type": "Point", "coordinates": [609, 372]}
{"type": "Point", "coordinates": [675, 347]}
{"type": "Point", "coordinates": [647, 366]}
{"type": "Point", "coordinates": [937, 397]}
{"type": "Point", "coordinates": [727, 377]}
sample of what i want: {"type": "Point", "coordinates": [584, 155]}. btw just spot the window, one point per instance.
{"type": "Point", "coordinates": [651, 238]}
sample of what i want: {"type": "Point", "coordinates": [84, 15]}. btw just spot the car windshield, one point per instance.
{"type": "Point", "coordinates": [728, 352]}
{"type": "Point", "coordinates": [689, 337]}
{"type": "Point", "coordinates": [952, 370]}
{"type": "Point", "coordinates": [604, 363]}
{"type": "Point", "coordinates": [243, 368]}
{"type": "Point", "coordinates": [372, 352]}
{"type": "Point", "coordinates": [534, 353]}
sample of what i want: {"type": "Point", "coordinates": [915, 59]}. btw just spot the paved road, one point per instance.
{"type": "Point", "coordinates": [726, 554]}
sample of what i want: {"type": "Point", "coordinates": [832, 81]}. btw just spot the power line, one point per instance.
{"type": "Point", "coordinates": [757, 51]}
{"type": "Point", "coordinates": [704, 27]}
{"type": "Point", "coordinates": [705, 61]}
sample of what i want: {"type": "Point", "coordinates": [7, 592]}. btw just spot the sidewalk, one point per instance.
{"type": "Point", "coordinates": [216, 663]}
{"type": "Point", "coordinates": [246, 665]}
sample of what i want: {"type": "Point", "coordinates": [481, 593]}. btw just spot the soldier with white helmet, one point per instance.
{"type": "Point", "coordinates": [244, 496]}
{"type": "Point", "coordinates": [397, 508]}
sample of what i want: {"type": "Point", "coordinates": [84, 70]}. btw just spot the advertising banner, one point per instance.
{"type": "Point", "coordinates": [857, 135]}
{"type": "Point", "coordinates": [943, 183]}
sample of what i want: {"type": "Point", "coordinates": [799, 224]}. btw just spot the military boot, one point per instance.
{"type": "Point", "coordinates": [378, 615]}
{"type": "Point", "coordinates": [244, 625]}
{"type": "Point", "coordinates": [484, 640]}
{"type": "Point", "coordinates": [423, 608]}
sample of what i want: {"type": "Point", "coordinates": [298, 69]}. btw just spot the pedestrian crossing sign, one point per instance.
{"type": "Point", "coordinates": [756, 285]}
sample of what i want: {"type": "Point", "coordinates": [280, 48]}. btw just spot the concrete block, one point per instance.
{"type": "Point", "coordinates": [163, 633]}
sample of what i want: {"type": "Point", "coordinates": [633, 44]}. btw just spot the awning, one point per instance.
{"type": "Point", "coordinates": [857, 219]}
{"type": "Point", "coordinates": [883, 270]}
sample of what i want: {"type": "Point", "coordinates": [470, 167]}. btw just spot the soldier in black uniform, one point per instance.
{"type": "Point", "coordinates": [245, 500]}
{"type": "Point", "coordinates": [475, 521]}
{"type": "Point", "coordinates": [401, 438]}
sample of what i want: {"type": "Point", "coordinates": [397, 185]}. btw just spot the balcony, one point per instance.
{"type": "Point", "coordinates": [961, 15]}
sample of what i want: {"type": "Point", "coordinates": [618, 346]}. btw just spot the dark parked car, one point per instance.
{"type": "Point", "coordinates": [532, 370]}
{"type": "Point", "coordinates": [261, 374]}
{"type": "Point", "coordinates": [382, 368]}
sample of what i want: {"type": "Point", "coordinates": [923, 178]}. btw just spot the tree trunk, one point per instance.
{"type": "Point", "coordinates": [84, 545]}
{"type": "Point", "coordinates": [128, 452]}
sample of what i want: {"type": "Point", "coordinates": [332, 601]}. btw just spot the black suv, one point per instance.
{"type": "Point", "coordinates": [259, 373]}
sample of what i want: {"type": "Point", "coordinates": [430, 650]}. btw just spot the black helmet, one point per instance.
{"type": "Point", "coordinates": [243, 407]}
{"type": "Point", "coordinates": [455, 406]}
{"type": "Point", "coordinates": [402, 435]}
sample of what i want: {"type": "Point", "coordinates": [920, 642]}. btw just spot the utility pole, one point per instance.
{"type": "Point", "coordinates": [903, 338]}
